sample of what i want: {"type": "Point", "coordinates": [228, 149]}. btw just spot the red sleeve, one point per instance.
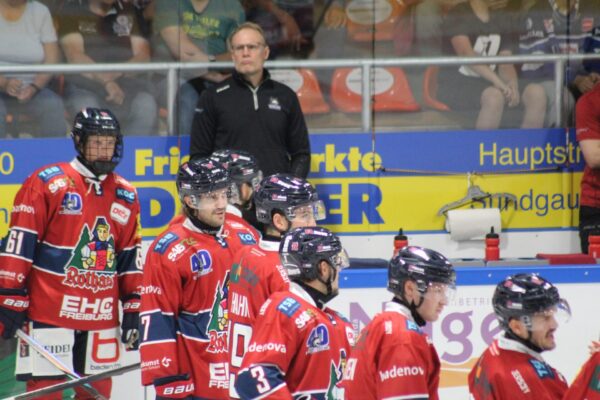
{"type": "Point", "coordinates": [587, 122]}
{"type": "Point", "coordinates": [28, 221]}
{"type": "Point", "coordinates": [587, 383]}
{"type": "Point", "coordinates": [161, 298]}
{"type": "Point", "coordinates": [129, 250]}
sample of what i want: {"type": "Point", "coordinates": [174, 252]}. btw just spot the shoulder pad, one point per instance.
{"type": "Point", "coordinates": [163, 243]}
{"type": "Point", "coordinates": [288, 306]}
{"type": "Point", "coordinates": [50, 172]}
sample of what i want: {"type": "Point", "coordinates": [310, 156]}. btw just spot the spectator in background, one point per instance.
{"type": "Point", "coordinates": [251, 112]}
{"type": "Point", "coordinates": [558, 27]}
{"type": "Point", "coordinates": [106, 31]}
{"type": "Point", "coordinates": [194, 31]}
{"type": "Point", "coordinates": [484, 28]}
{"type": "Point", "coordinates": [587, 123]}
{"type": "Point", "coordinates": [28, 37]}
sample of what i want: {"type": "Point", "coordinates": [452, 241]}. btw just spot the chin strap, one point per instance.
{"type": "Point", "coordinates": [413, 308]}
{"type": "Point", "coordinates": [527, 342]}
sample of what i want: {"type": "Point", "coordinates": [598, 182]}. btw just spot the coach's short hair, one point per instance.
{"type": "Point", "coordinates": [246, 25]}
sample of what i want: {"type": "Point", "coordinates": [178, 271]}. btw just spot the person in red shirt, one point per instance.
{"type": "Point", "coordinates": [184, 348]}
{"type": "Point", "coordinates": [284, 203]}
{"type": "Point", "coordinates": [393, 357]}
{"type": "Point", "coordinates": [528, 308]}
{"type": "Point", "coordinates": [71, 254]}
{"type": "Point", "coordinates": [586, 385]}
{"type": "Point", "coordinates": [587, 122]}
{"type": "Point", "coordinates": [299, 347]}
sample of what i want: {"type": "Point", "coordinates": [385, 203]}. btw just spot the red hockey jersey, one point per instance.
{"type": "Point", "coordinates": [510, 370]}
{"type": "Point", "coordinates": [586, 385]}
{"type": "Point", "coordinates": [296, 350]}
{"type": "Point", "coordinates": [184, 305]}
{"type": "Point", "coordinates": [256, 274]}
{"type": "Point", "coordinates": [393, 359]}
{"type": "Point", "coordinates": [74, 242]}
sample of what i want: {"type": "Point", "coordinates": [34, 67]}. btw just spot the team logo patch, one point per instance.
{"type": "Point", "coordinates": [125, 195]}
{"type": "Point", "coordinates": [274, 104]}
{"type": "Point", "coordinates": [246, 238]}
{"type": "Point", "coordinates": [201, 263]}
{"type": "Point", "coordinates": [318, 340]}
{"type": "Point", "coordinates": [164, 242]}
{"type": "Point", "coordinates": [412, 326]}
{"type": "Point", "coordinates": [71, 204]}
{"type": "Point", "coordinates": [219, 320]}
{"type": "Point", "coordinates": [541, 369]}
{"type": "Point", "coordinates": [92, 265]}
{"type": "Point", "coordinates": [288, 306]}
{"type": "Point", "coordinates": [120, 213]}
{"type": "Point", "coordinates": [50, 173]}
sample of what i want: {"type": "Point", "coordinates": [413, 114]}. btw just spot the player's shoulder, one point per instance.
{"type": "Point", "coordinates": [282, 303]}
{"type": "Point", "coordinates": [167, 239]}
{"type": "Point", "coordinates": [50, 172]}
{"type": "Point", "coordinates": [239, 232]}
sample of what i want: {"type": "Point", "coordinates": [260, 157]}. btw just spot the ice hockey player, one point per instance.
{"type": "Point", "coordinates": [185, 289]}
{"type": "Point", "coordinates": [299, 347]}
{"type": "Point", "coordinates": [393, 357]}
{"type": "Point", "coordinates": [72, 252]}
{"type": "Point", "coordinates": [528, 308]}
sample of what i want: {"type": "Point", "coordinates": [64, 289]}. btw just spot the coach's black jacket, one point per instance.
{"type": "Point", "coordinates": [266, 121]}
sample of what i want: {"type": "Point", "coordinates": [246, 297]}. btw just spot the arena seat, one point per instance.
{"type": "Point", "coordinates": [306, 85]}
{"type": "Point", "coordinates": [430, 89]}
{"type": "Point", "coordinates": [390, 87]}
{"type": "Point", "coordinates": [369, 20]}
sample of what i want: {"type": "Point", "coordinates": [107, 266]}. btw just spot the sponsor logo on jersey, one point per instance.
{"type": "Point", "coordinates": [412, 326]}
{"type": "Point", "coordinates": [219, 319]}
{"type": "Point", "coordinates": [239, 272]}
{"type": "Point", "coordinates": [288, 306]}
{"type": "Point", "coordinates": [120, 213]}
{"type": "Point", "coordinates": [219, 375]}
{"type": "Point", "coordinates": [264, 307]}
{"type": "Point", "coordinates": [150, 289]}
{"type": "Point", "coordinates": [542, 369]}
{"type": "Point", "coordinates": [336, 372]}
{"type": "Point", "coordinates": [24, 208]}
{"type": "Point", "coordinates": [150, 365]}
{"type": "Point", "coordinates": [57, 184]}
{"type": "Point", "coordinates": [125, 195]}
{"type": "Point", "coordinates": [71, 204]}
{"type": "Point", "coordinates": [201, 263]}
{"type": "Point", "coordinates": [262, 348]}
{"type": "Point", "coordinates": [246, 238]}
{"type": "Point", "coordinates": [50, 172]}
{"type": "Point", "coordinates": [86, 309]}
{"type": "Point", "coordinates": [304, 317]}
{"type": "Point", "coordinates": [318, 339]}
{"type": "Point", "coordinates": [520, 381]}
{"type": "Point", "coordinates": [164, 242]}
{"type": "Point", "coordinates": [399, 371]}
{"type": "Point", "coordinates": [92, 265]}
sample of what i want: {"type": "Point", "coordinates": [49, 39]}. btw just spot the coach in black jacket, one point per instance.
{"type": "Point", "coordinates": [251, 112]}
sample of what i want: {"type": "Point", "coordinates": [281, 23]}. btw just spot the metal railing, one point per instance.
{"type": "Point", "coordinates": [173, 68]}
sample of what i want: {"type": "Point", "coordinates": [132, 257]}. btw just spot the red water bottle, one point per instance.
{"type": "Point", "coordinates": [594, 244]}
{"type": "Point", "coordinates": [400, 240]}
{"type": "Point", "coordinates": [492, 241]}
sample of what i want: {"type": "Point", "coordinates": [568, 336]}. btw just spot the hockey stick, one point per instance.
{"type": "Point", "coordinates": [71, 384]}
{"type": "Point", "coordinates": [56, 362]}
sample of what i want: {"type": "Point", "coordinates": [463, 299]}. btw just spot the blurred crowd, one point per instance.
{"type": "Point", "coordinates": [133, 31]}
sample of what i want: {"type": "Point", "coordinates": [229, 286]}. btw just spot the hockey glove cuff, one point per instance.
{"type": "Point", "coordinates": [130, 327]}
{"type": "Point", "coordinates": [13, 311]}
{"type": "Point", "coordinates": [174, 387]}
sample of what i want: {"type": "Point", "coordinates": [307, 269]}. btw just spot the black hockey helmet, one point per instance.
{"type": "Point", "coordinates": [242, 166]}
{"type": "Point", "coordinates": [199, 176]}
{"type": "Point", "coordinates": [302, 249]}
{"type": "Point", "coordinates": [522, 295]}
{"type": "Point", "coordinates": [283, 193]}
{"type": "Point", "coordinates": [101, 122]}
{"type": "Point", "coordinates": [422, 265]}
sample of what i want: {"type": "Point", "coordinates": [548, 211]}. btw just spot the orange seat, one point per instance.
{"type": "Point", "coordinates": [370, 20]}
{"type": "Point", "coordinates": [306, 85]}
{"type": "Point", "coordinates": [390, 88]}
{"type": "Point", "coordinates": [430, 89]}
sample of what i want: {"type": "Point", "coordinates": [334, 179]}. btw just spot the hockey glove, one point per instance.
{"type": "Point", "coordinates": [174, 387]}
{"type": "Point", "coordinates": [130, 327]}
{"type": "Point", "coordinates": [13, 311]}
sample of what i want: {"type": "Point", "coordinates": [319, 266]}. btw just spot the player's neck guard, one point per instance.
{"type": "Point", "coordinates": [319, 298]}
{"type": "Point", "coordinates": [204, 228]}
{"type": "Point", "coordinates": [526, 342]}
{"type": "Point", "coordinates": [413, 310]}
